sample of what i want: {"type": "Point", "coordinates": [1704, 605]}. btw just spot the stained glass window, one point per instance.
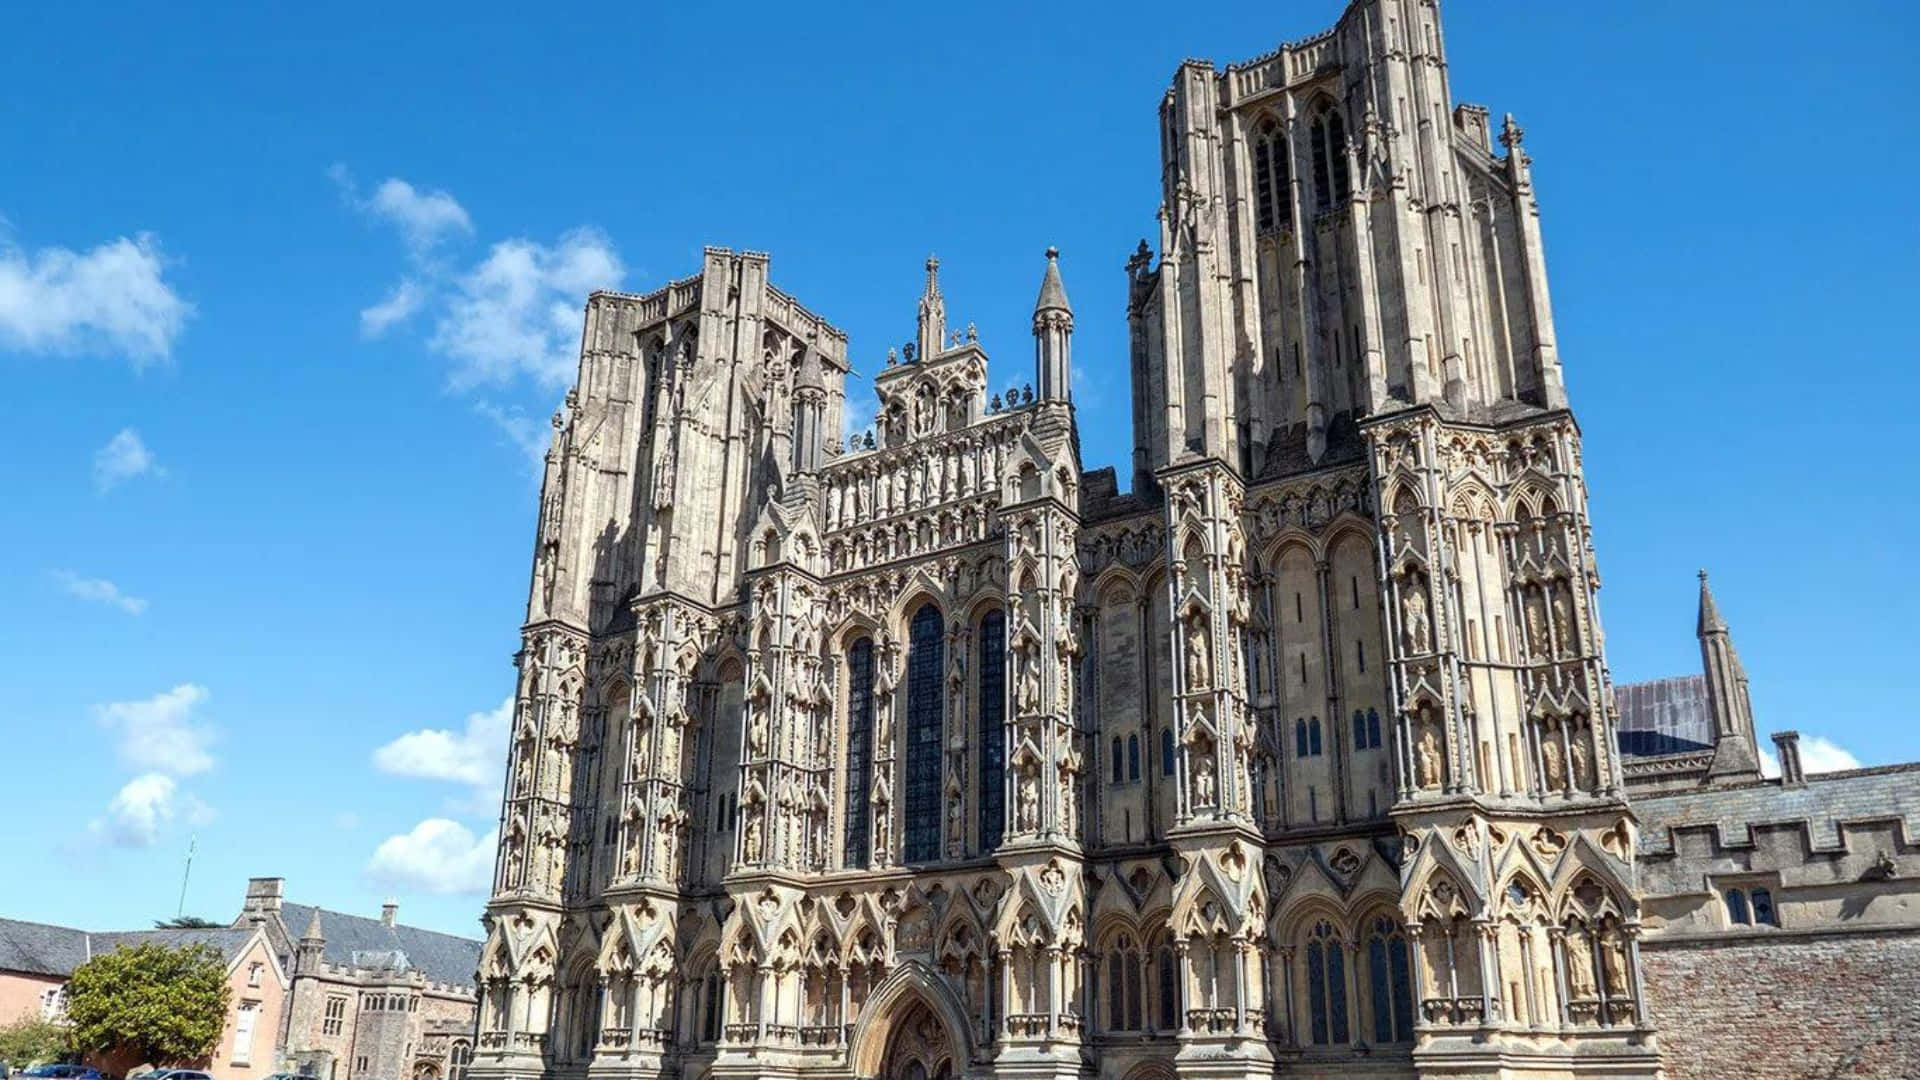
{"type": "Point", "coordinates": [993, 737]}
{"type": "Point", "coordinates": [859, 749]}
{"type": "Point", "coordinates": [925, 659]}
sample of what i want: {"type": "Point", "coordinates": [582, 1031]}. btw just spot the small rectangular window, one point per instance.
{"type": "Point", "coordinates": [1355, 583]}
{"type": "Point", "coordinates": [1360, 653]}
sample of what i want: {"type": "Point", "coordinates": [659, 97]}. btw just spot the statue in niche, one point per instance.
{"type": "Point", "coordinates": [1582, 760]}
{"type": "Point", "coordinates": [559, 767]}
{"type": "Point", "coordinates": [516, 857]}
{"type": "Point", "coordinates": [1199, 675]}
{"type": "Point", "coordinates": [523, 769]}
{"type": "Point", "coordinates": [663, 477]}
{"type": "Point", "coordinates": [1068, 809]}
{"type": "Point", "coordinates": [1536, 623]}
{"type": "Point", "coordinates": [956, 826]}
{"type": "Point", "coordinates": [1563, 618]}
{"type": "Point", "coordinates": [1028, 695]}
{"type": "Point", "coordinates": [1414, 609]}
{"type": "Point", "coordinates": [750, 834]}
{"type": "Point", "coordinates": [1579, 966]}
{"type": "Point", "coordinates": [1427, 757]}
{"type": "Point", "coordinates": [859, 498]}
{"type": "Point", "coordinates": [898, 482]}
{"type": "Point", "coordinates": [757, 733]}
{"type": "Point", "coordinates": [1203, 794]}
{"type": "Point", "coordinates": [1615, 953]}
{"type": "Point", "coordinates": [1028, 819]}
{"type": "Point", "coordinates": [1551, 765]}
{"type": "Point", "coordinates": [630, 858]}
{"type": "Point", "coordinates": [914, 490]}
{"type": "Point", "coordinates": [663, 861]}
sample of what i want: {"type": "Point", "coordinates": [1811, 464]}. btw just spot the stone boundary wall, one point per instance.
{"type": "Point", "coordinates": [1786, 1006]}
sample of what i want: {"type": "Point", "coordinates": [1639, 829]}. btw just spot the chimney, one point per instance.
{"type": "Point", "coordinates": [387, 911]}
{"type": "Point", "coordinates": [263, 898]}
{"type": "Point", "coordinates": [1787, 745]}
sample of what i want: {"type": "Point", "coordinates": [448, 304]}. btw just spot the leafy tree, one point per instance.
{"type": "Point", "coordinates": [186, 922]}
{"type": "Point", "coordinates": [164, 1004]}
{"type": "Point", "coordinates": [29, 1040]}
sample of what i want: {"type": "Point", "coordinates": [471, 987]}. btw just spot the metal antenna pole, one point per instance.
{"type": "Point", "coordinates": [192, 842]}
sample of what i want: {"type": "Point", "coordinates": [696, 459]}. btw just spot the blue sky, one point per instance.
{"type": "Point", "coordinates": [285, 300]}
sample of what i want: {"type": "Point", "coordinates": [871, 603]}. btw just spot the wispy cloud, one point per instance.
{"type": "Point", "coordinates": [112, 298]}
{"type": "Point", "coordinates": [160, 733]}
{"type": "Point", "coordinates": [424, 218]}
{"type": "Point", "coordinates": [398, 307]}
{"type": "Point", "coordinates": [124, 457]}
{"type": "Point", "coordinates": [523, 431]}
{"type": "Point", "coordinates": [99, 590]}
{"type": "Point", "coordinates": [438, 855]}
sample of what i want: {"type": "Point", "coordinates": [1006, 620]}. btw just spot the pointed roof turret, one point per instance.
{"type": "Point", "coordinates": [1710, 620]}
{"type": "Point", "coordinates": [933, 313]}
{"type": "Point", "coordinates": [1053, 294]}
{"type": "Point", "coordinates": [313, 928]}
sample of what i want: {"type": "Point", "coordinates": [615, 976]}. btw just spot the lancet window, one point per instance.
{"type": "Point", "coordinates": [1327, 136]}
{"type": "Point", "coordinates": [993, 737]}
{"type": "Point", "coordinates": [1272, 179]}
{"type": "Point", "coordinates": [925, 660]}
{"type": "Point", "coordinates": [1326, 987]}
{"type": "Point", "coordinates": [859, 750]}
{"type": "Point", "coordinates": [1390, 974]}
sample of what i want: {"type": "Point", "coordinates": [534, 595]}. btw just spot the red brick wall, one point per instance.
{"type": "Point", "coordinates": [1778, 1007]}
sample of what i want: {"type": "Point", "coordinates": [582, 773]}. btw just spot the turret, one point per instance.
{"type": "Point", "coordinates": [1734, 756]}
{"type": "Point", "coordinates": [933, 314]}
{"type": "Point", "coordinates": [312, 947]}
{"type": "Point", "coordinates": [1053, 335]}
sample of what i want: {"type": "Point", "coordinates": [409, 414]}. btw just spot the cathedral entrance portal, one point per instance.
{"type": "Point", "coordinates": [919, 1047]}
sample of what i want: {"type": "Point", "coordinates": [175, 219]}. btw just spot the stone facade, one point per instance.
{"type": "Point", "coordinates": [368, 999]}
{"type": "Point", "coordinates": [928, 753]}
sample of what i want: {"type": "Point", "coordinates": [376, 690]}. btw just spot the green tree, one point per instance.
{"type": "Point", "coordinates": [29, 1040]}
{"type": "Point", "coordinates": [164, 1004]}
{"type": "Point", "coordinates": [186, 922]}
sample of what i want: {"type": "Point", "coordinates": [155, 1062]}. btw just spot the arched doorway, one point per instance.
{"type": "Point", "coordinates": [919, 1047]}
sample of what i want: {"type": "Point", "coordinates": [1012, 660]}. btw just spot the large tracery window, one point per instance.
{"type": "Point", "coordinates": [924, 734]}
{"type": "Point", "coordinates": [1326, 987]}
{"type": "Point", "coordinates": [1272, 180]}
{"type": "Point", "coordinates": [859, 750]}
{"type": "Point", "coordinates": [993, 739]}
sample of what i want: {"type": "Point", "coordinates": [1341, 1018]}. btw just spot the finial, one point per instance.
{"type": "Point", "coordinates": [973, 334]}
{"type": "Point", "coordinates": [893, 356]}
{"type": "Point", "coordinates": [1053, 252]}
{"type": "Point", "coordinates": [1511, 133]}
{"type": "Point", "coordinates": [1703, 576]}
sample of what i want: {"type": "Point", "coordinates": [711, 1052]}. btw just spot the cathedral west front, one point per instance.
{"type": "Point", "coordinates": [925, 751]}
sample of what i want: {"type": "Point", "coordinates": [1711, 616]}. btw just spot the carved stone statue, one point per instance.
{"type": "Point", "coordinates": [1199, 677]}
{"type": "Point", "coordinates": [1579, 966]}
{"type": "Point", "coordinates": [1616, 957]}
{"type": "Point", "coordinates": [1554, 772]}
{"type": "Point", "coordinates": [1414, 607]}
{"type": "Point", "coordinates": [1027, 698]}
{"type": "Point", "coordinates": [1029, 803]}
{"type": "Point", "coordinates": [1563, 618]}
{"type": "Point", "coordinates": [1203, 793]}
{"type": "Point", "coordinates": [1068, 810]}
{"type": "Point", "coordinates": [750, 842]}
{"type": "Point", "coordinates": [1582, 761]}
{"type": "Point", "coordinates": [956, 826]}
{"type": "Point", "coordinates": [1536, 623]}
{"type": "Point", "coordinates": [663, 858]}
{"type": "Point", "coordinates": [757, 733]}
{"type": "Point", "coordinates": [1428, 757]}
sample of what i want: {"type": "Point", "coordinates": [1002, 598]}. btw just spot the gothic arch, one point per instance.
{"type": "Point", "coordinates": [912, 982]}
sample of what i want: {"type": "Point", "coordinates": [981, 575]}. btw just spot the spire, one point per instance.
{"type": "Point", "coordinates": [313, 928]}
{"type": "Point", "coordinates": [1053, 335]}
{"type": "Point", "coordinates": [1710, 620]}
{"type": "Point", "coordinates": [1053, 295]}
{"type": "Point", "coordinates": [933, 314]}
{"type": "Point", "coordinates": [1735, 756]}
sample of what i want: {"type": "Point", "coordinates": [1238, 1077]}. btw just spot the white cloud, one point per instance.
{"type": "Point", "coordinates": [439, 856]}
{"type": "Point", "coordinates": [474, 756]}
{"type": "Point", "coordinates": [518, 312]}
{"type": "Point", "coordinates": [145, 806]}
{"type": "Point", "coordinates": [399, 306]}
{"type": "Point", "coordinates": [424, 218]}
{"type": "Point", "coordinates": [111, 298]}
{"type": "Point", "coordinates": [99, 590]}
{"type": "Point", "coordinates": [160, 734]}
{"type": "Point", "coordinates": [528, 434]}
{"type": "Point", "coordinates": [1817, 754]}
{"type": "Point", "coordinates": [124, 457]}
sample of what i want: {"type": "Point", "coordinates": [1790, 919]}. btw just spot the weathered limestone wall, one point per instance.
{"type": "Point", "coordinates": [1779, 1006]}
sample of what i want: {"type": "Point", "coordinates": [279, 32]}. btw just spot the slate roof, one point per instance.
{"type": "Point", "coordinates": [1664, 716]}
{"type": "Point", "coordinates": [444, 958]}
{"type": "Point", "coordinates": [40, 949]}
{"type": "Point", "coordinates": [1820, 806]}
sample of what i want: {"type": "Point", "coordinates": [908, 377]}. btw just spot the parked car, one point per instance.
{"type": "Point", "coordinates": [65, 1072]}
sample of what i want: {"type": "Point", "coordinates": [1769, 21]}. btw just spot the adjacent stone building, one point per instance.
{"type": "Point", "coordinates": [368, 999]}
{"type": "Point", "coordinates": [931, 753]}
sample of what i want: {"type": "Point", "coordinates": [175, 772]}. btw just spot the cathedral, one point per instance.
{"type": "Point", "coordinates": [924, 751]}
